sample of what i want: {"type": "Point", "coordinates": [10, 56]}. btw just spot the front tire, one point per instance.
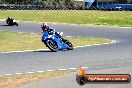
{"type": "Point", "coordinates": [53, 47]}
{"type": "Point", "coordinates": [7, 21]}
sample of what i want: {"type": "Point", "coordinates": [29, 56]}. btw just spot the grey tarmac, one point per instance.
{"type": "Point", "coordinates": [69, 81]}
{"type": "Point", "coordinates": [110, 56]}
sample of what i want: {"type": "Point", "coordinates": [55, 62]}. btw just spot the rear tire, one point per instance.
{"type": "Point", "coordinates": [70, 46]}
{"type": "Point", "coordinates": [52, 47]}
{"type": "Point", "coordinates": [16, 24]}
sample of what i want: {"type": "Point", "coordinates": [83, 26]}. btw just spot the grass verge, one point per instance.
{"type": "Point", "coordinates": [13, 81]}
{"type": "Point", "coordinates": [114, 18]}
{"type": "Point", "coordinates": [14, 41]}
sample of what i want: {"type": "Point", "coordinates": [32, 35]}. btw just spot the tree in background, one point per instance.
{"type": "Point", "coordinates": [79, 5]}
{"type": "Point", "coordinates": [58, 3]}
{"type": "Point", "coordinates": [8, 2]}
{"type": "Point", "coordinates": [18, 1]}
{"type": "Point", "coordinates": [70, 3]}
{"type": "Point", "coordinates": [48, 3]}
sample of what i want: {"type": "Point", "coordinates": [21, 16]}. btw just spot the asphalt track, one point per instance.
{"type": "Point", "coordinates": [110, 56]}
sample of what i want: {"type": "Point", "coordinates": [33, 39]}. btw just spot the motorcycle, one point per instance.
{"type": "Point", "coordinates": [11, 22]}
{"type": "Point", "coordinates": [55, 42]}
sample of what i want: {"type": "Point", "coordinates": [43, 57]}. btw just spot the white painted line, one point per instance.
{"type": "Point", "coordinates": [8, 74]}
{"type": "Point", "coordinates": [72, 68]}
{"type": "Point", "coordinates": [83, 46]}
{"type": "Point", "coordinates": [20, 32]}
{"type": "Point", "coordinates": [49, 70]}
{"type": "Point", "coordinates": [40, 71]}
{"type": "Point", "coordinates": [32, 33]}
{"type": "Point", "coordinates": [24, 51]}
{"type": "Point", "coordinates": [18, 73]}
{"type": "Point", "coordinates": [75, 47]}
{"type": "Point", "coordinates": [106, 43]}
{"type": "Point", "coordinates": [41, 49]}
{"type": "Point", "coordinates": [68, 36]}
{"type": "Point", "coordinates": [88, 45]}
{"type": "Point", "coordinates": [62, 69]}
{"type": "Point", "coordinates": [113, 41]}
{"type": "Point", "coordinates": [125, 27]}
{"type": "Point", "coordinates": [30, 72]}
{"type": "Point", "coordinates": [97, 44]}
{"type": "Point", "coordinates": [2, 19]}
{"type": "Point", "coordinates": [85, 68]}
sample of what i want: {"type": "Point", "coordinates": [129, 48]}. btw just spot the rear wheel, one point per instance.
{"type": "Point", "coordinates": [15, 23]}
{"type": "Point", "coordinates": [70, 46]}
{"type": "Point", "coordinates": [51, 45]}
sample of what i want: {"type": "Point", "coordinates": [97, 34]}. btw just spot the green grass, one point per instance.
{"type": "Point", "coordinates": [13, 81]}
{"type": "Point", "coordinates": [14, 41]}
{"type": "Point", "coordinates": [114, 18]}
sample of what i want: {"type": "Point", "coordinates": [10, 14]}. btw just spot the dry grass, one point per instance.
{"type": "Point", "coordinates": [81, 41]}
{"type": "Point", "coordinates": [17, 80]}
{"type": "Point", "coordinates": [13, 41]}
{"type": "Point", "coordinates": [114, 18]}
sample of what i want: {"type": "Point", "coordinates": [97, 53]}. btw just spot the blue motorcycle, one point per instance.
{"type": "Point", "coordinates": [55, 42]}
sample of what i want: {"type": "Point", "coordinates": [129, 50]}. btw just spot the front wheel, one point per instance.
{"type": "Point", "coordinates": [69, 45]}
{"type": "Point", "coordinates": [52, 45]}
{"type": "Point", "coordinates": [8, 22]}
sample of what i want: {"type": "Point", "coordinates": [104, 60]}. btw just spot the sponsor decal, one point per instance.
{"type": "Point", "coordinates": [83, 78]}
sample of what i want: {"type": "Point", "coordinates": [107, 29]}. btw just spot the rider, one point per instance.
{"type": "Point", "coordinates": [10, 20]}
{"type": "Point", "coordinates": [45, 27]}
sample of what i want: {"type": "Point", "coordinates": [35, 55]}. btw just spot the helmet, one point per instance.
{"type": "Point", "coordinates": [44, 26]}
